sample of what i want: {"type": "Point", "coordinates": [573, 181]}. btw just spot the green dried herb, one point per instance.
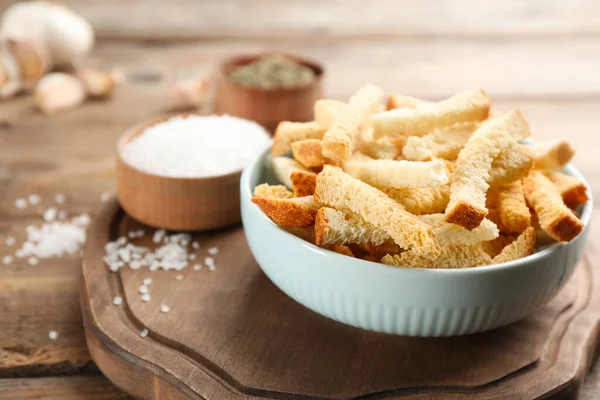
{"type": "Point", "coordinates": [272, 72]}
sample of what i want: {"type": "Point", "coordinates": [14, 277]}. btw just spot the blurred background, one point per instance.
{"type": "Point", "coordinates": [540, 56]}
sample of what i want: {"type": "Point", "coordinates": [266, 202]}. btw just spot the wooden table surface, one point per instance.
{"type": "Point", "coordinates": [541, 56]}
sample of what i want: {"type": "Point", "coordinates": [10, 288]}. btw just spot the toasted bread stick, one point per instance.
{"type": "Point", "coordinates": [554, 216]}
{"type": "Point", "coordinates": [298, 212]}
{"type": "Point", "coordinates": [451, 256]}
{"type": "Point", "coordinates": [341, 249]}
{"type": "Point", "coordinates": [421, 201]}
{"type": "Point", "coordinates": [572, 190]}
{"type": "Point", "coordinates": [447, 233]}
{"type": "Point", "coordinates": [327, 111]}
{"type": "Point", "coordinates": [278, 191]}
{"type": "Point", "coordinates": [469, 182]}
{"type": "Point", "coordinates": [444, 143]}
{"type": "Point", "coordinates": [337, 189]}
{"type": "Point", "coordinates": [470, 106]}
{"type": "Point", "coordinates": [288, 132]}
{"type": "Point", "coordinates": [512, 208]}
{"type": "Point", "coordinates": [552, 155]}
{"type": "Point", "coordinates": [495, 247]}
{"type": "Point", "coordinates": [396, 174]}
{"type": "Point", "coordinates": [334, 226]}
{"type": "Point", "coordinates": [396, 100]}
{"type": "Point", "coordinates": [282, 168]}
{"type": "Point", "coordinates": [309, 153]}
{"type": "Point", "coordinates": [303, 183]}
{"type": "Point", "coordinates": [511, 165]}
{"type": "Point", "coordinates": [521, 247]}
{"type": "Point", "coordinates": [306, 233]}
{"type": "Point", "coordinates": [340, 140]}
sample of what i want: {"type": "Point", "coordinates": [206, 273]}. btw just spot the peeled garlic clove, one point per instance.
{"type": "Point", "coordinates": [33, 61]}
{"type": "Point", "coordinates": [188, 93]}
{"type": "Point", "coordinates": [64, 34]}
{"type": "Point", "coordinates": [99, 84]}
{"type": "Point", "coordinates": [10, 76]}
{"type": "Point", "coordinates": [57, 92]}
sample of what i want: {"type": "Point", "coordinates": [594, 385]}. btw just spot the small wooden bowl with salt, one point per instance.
{"type": "Point", "coordinates": [181, 178]}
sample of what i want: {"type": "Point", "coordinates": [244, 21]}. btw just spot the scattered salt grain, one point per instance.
{"type": "Point", "coordinates": [143, 289]}
{"type": "Point", "coordinates": [20, 203]}
{"type": "Point", "coordinates": [147, 281]}
{"type": "Point", "coordinates": [10, 241]}
{"type": "Point", "coordinates": [118, 300]}
{"type": "Point", "coordinates": [62, 215]}
{"type": "Point", "coordinates": [33, 260]}
{"type": "Point", "coordinates": [213, 251]}
{"type": "Point", "coordinates": [54, 239]}
{"type": "Point", "coordinates": [50, 214]}
{"type": "Point", "coordinates": [52, 335]}
{"type": "Point", "coordinates": [164, 308]}
{"type": "Point", "coordinates": [105, 197]}
{"type": "Point", "coordinates": [179, 277]}
{"type": "Point", "coordinates": [195, 245]}
{"type": "Point", "coordinates": [131, 235]}
{"type": "Point", "coordinates": [197, 267]}
{"type": "Point", "coordinates": [60, 198]}
{"type": "Point", "coordinates": [175, 148]}
{"type": "Point", "coordinates": [34, 199]}
{"type": "Point", "coordinates": [7, 259]}
{"type": "Point", "coordinates": [192, 257]}
{"type": "Point", "coordinates": [144, 333]}
{"type": "Point", "coordinates": [146, 297]}
{"type": "Point", "coordinates": [209, 261]}
{"type": "Point", "coordinates": [158, 236]}
{"type": "Point", "coordinates": [212, 267]}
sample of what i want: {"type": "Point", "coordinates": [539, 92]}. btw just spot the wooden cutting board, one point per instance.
{"type": "Point", "coordinates": [231, 334]}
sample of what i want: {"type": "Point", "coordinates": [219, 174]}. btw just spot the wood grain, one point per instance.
{"type": "Point", "coordinates": [191, 346]}
{"type": "Point", "coordinates": [61, 388]}
{"type": "Point", "coordinates": [269, 19]}
{"type": "Point", "coordinates": [518, 68]}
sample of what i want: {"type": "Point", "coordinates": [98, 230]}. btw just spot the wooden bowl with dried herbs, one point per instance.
{"type": "Point", "coordinates": [269, 88]}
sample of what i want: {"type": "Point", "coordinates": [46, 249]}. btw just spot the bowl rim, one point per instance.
{"type": "Point", "coordinates": [228, 64]}
{"type": "Point", "coordinates": [133, 131]}
{"type": "Point", "coordinates": [586, 214]}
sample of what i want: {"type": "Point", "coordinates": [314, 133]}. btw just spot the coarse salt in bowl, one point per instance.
{"type": "Point", "coordinates": [182, 172]}
{"type": "Point", "coordinates": [194, 146]}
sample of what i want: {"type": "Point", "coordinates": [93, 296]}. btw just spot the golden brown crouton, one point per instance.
{"type": "Point", "coordinates": [303, 183]}
{"type": "Point", "coordinates": [470, 106]}
{"type": "Point", "coordinates": [521, 247]}
{"type": "Point", "coordinates": [339, 190]}
{"type": "Point", "coordinates": [451, 256]}
{"type": "Point", "coordinates": [298, 212]}
{"type": "Point", "coordinates": [309, 153]}
{"type": "Point", "coordinates": [572, 190]}
{"type": "Point", "coordinates": [288, 132]}
{"type": "Point", "coordinates": [554, 216]}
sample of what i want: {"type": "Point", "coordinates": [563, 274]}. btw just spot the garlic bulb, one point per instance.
{"type": "Point", "coordinates": [10, 75]}
{"type": "Point", "coordinates": [57, 92]}
{"type": "Point", "coordinates": [99, 84]}
{"type": "Point", "coordinates": [32, 60]}
{"type": "Point", "coordinates": [187, 94]}
{"type": "Point", "coordinates": [56, 28]}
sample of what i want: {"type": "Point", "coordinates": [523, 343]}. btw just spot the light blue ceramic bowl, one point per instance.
{"type": "Point", "coordinates": [404, 301]}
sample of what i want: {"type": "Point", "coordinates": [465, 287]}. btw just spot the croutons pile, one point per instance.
{"type": "Point", "coordinates": [421, 184]}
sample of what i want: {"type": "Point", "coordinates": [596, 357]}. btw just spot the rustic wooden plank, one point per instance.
{"type": "Point", "coordinates": [61, 388]}
{"type": "Point", "coordinates": [151, 19]}
{"type": "Point", "coordinates": [193, 342]}
{"type": "Point", "coordinates": [433, 68]}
